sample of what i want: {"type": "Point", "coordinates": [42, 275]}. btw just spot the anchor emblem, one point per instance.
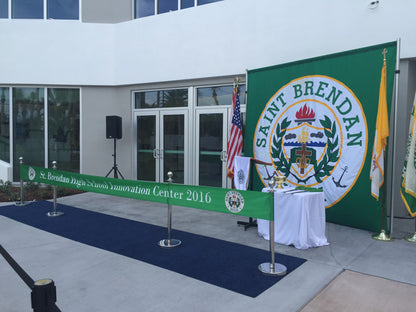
{"type": "Point", "coordinates": [338, 183]}
{"type": "Point", "coordinates": [269, 176]}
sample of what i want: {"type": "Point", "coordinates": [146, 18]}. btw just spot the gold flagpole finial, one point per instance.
{"type": "Point", "coordinates": [237, 81]}
{"type": "Point", "coordinates": [384, 54]}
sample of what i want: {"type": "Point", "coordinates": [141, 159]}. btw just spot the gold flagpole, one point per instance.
{"type": "Point", "coordinates": [382, 236]}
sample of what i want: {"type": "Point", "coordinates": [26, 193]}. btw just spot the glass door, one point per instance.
{"type": "Point", "coordinates": [173, 143]}
{"type": "Point", "coordinates": [211, 147]}
{"type": "Point", "coordinates": [162, 142]}
{"type": "Point", "coordinates": [147, 141]}
{"type": "Point", "coordinates": [212, 130]}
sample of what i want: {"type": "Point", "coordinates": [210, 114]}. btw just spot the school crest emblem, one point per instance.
{"type": "Point", "coordinates": [234, 201]}
{"type": "Point", "coordinates": [31, 174]}
{"type": "Point", "coordinates": [313, 131]}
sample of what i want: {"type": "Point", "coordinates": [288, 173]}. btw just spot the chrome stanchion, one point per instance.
{"type": "Point", "coordinates": [412, 238]}
{"type": "Point", "coordinates": [272, 268]}
{"type": "Point", "coordinates": [169, 242]}
{"type": "Point", "coordinates": [54, 213]}
{"type": "Point", "coordinates": [22, 201]}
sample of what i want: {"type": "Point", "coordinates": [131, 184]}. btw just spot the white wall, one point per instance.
{"type": "Point", "coordinates": [106, 11]}
{"type": "Point", "coordinates": [96, 149]}
{"type": "Point", "coordinates": [56, 52]}
{"type": "Point", "coordinates": [217, 39]}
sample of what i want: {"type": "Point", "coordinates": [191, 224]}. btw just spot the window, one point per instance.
{"type": "Point", "coordinates": [4, 124]}
{"type": "Point", "coordinates": [63, 9]}
{"type": "Point", "coordinates": [28, 128]}
{"type": "Point", "coordinates": [34, 9]}
{"type": "Point", "coordinates": [201, 2]}
{"type": "Point", "coordinates": [27, 9]}
{"type": "Point", "coordinates": [161, 98]}
{"type": "Point", "coordinates": [166, 6]}
{"type": "Point", "coordinates": [144, 8]}
{"type": "Point", "coordinates": [4, 8]}
{"type": "Point", "coordinates": [187, 4]}
{"type": "Point", "coordinates": [63, 128]}
{"type": "Point", "coordinates": [218, 95]}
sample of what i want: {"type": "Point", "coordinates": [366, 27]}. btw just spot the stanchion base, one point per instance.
{"type": "Point", "coordinates": [382, 237]}
{"type": "Point", "coordinates": [54, 213]}
{"type": "Point", "coordinates": [166, 243]}
{"type": "Point", "coordinates": [411, 238]}
{"type": "Point", "coordinates": [279, 269]}
{"type": "Point", "coordinates": [21, 203]}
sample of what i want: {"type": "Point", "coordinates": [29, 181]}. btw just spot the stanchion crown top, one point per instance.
{"type": "Point", "coordinates": [271, 184]}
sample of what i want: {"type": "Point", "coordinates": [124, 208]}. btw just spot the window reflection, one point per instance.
{"type": "Point", "coordinates": [174, 146]}
{"type": "Point", "coordinates": [187, 3]}
{"type": "Point", "coordinates": [167, 6]}
{"type": "Point", "coordinates": [28, 128]}
{"type": "Point", "coordinates": [4, 8]}
{"type": "Point", "coordinates": [63, 9]}
{"type": "Point", "coordinates": [27, 9]}
{"type": "Point", "coordinates": [218, 95]}
{"type": "Point", "coordinates": [210, 148]}
{"type": "Point", "coordinates": [144, 8]}
{"type": "Point", "coordinates": [63, 128]}
{"type": "Point", "coordinates": [201, 2]}
{"type": "Point", "coordinates": [4, 124]}
{"type": "Point", "coordinates": [146, 143]}
{"type": "Point", "coordinates": [161, 98]}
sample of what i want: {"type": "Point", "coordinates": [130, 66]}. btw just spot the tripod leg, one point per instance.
{"type": "Point", "coordinates": [115, 169]}
{"type": "Point", "coordinates": [109, 172]}
{"type": "Point", "coordinates": [118, 171]}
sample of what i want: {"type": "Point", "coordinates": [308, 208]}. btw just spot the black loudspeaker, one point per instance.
{"type": "Point", "coordinates": [113, 127]}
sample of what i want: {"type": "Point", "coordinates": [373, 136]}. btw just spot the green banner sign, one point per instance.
{"type": "Point", "coordinates": [313, 121]}
{"type": "Point", "coordinates": [245, 203]}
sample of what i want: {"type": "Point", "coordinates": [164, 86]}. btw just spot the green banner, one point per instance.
{"type": "Point", "coordinates": [408, 183]}
{"type": "Point", "coordinates": [245, 203]}
{"type": "Point", "coordinates": [314, 122]}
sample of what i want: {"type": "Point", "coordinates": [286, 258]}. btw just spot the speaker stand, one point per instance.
{"type": "Point", "coordinates": [115, 168]}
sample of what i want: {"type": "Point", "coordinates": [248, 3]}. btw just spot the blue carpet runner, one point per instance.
{"type": "Point", "coordinates": [221, 263]}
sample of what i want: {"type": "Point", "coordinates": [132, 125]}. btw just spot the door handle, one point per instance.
{"type": "Point", "coordinates": [224, 156]}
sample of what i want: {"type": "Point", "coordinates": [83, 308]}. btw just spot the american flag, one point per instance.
{"type": "Point", "coordinates": [235, 141]}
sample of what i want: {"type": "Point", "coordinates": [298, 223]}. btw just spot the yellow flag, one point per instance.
{"type": "Point", "coordinates": [380, 138]}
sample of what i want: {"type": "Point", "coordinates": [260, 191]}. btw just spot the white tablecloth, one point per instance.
{"type": "Point", "coordinates": [299, 219]}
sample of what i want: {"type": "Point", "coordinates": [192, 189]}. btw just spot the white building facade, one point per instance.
{"type": "Point", "coordinates": [167, 69]}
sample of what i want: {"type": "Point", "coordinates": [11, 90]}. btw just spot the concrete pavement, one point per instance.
{"type": "Point", "coordinates": [91, 279]}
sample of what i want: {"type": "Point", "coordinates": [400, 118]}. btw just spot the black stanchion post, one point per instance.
{"type": "Point", "coordinates": [54, 213]}
{"type": "Point", "coordinates": [44, 296]}
{"type": "Point", "coordinates": [43, 293]}
{"type": "Point", "coordinates": [169, 242]}
{"type": "Point", "coordinates": [272, 268]}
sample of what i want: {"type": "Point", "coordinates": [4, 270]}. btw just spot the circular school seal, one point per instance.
{"type": "Point", "coordinates": [234, 201]}
{"type": "Point", "coordinates": [313, 131]}
{"type": "Point", "coordinates": [31, 173]}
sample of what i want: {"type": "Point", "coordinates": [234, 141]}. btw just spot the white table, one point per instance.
{"type": "Point", "coordinates": [299, 219]}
